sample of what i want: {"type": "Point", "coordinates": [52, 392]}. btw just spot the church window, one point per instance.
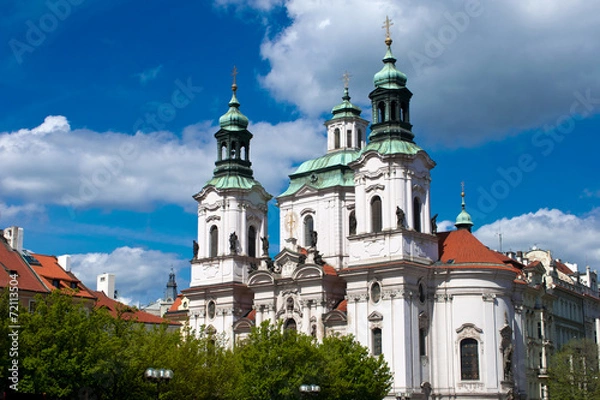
{"type": "Point", "coordinates": [422, 342]}
{"type": "Point", "coordinates": [360, 139]}
{"type": "Point", "coordinates": [336, 138]}
{"type": "Point", "coordinates": [421, 293]}
{"type": "Point", "coordinates": [290, 324]}
{"type": "Point", "coordinates": [309, 227]}
{"type": "Point", "coordinates": [214, 241]}
{"type": "Point", "coordinates": [376, 334]}
{"type": "Point", "coordinates": [289, 304]}
{"type": "Point", "coordinates": [381, 112]}
{"type": "Point", "coordinates": [251, 242]}
{"type": "Point", "coordinates": [211, 309]}
{"type": "Point", "coordinates": [243, 153]}
{"type": "Point", "coordinates": [376, 292]}
{"type": "Point", "coordinates": [349, 138]}
{"type": "Point", "coordinates": [352, 223]}
{"type": "Point", "coordinates": [469, 359]}
{"type": "Point", "coordinates": [376, 214]}
{"type": "Point", "coordinates": [417, 214]}
{"type": "Point", "coordinates": [223, 152]}
{"type": "Point", "coordinates": [233, 151]}
{"type": "Point", "coordinates": [393, 111]}
{"type": "Point", "coordinates": [405, 116]}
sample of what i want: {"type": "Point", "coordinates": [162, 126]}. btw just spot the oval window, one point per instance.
{"type": "Point", "coordinates": [211, 309]}
{"type": "Point", "coordinates": [375, 292]}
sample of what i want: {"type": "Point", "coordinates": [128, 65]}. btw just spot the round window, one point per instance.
{"type": "Point", "coordinates": [375, 292]}
{"type": "Point", "coordinates": [211, 309]}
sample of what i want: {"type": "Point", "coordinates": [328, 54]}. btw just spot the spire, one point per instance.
{"type": "Point", "coordinates": [233, 140]}
{"type": "Point", "coordinates": [171, 287]}
{"type": "Point", "coordinates": [346, 108]}
{"type": "Point", "coordinates": [463, 220]}
{"type": "Point", "coordinates": [389, 77]}
{"type": "Point", "coordinates": [234, 120]}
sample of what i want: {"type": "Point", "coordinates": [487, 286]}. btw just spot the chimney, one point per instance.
{"type": "Point", "coordinates": [14, 237]}
{"type": "Point", "coordinates": [106, 283]}
{"type": "Point", "coordinates": [520, 256]}
{"type": "Point", "coordinates": [65, 262]}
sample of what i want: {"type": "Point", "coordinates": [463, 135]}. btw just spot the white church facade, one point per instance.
{"type": "Point", "coordinates": [361, 255]}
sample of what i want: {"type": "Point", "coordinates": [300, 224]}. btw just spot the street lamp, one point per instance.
{"type": "Point", "coordinates": [158, 376]}
{"type": "Point", "coordinates": [310, 390]}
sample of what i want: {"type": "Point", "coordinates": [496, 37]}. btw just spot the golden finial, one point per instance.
{"type": "Point", "coordinates": [462, 186]}
{"type": "Point", "coordinates": [234, 74]}
{"type": "Point", "coordinates": [386, 25]}
{"type": "Point", "coordinates": [346, 78]}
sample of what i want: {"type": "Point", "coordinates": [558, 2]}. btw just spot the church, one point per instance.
{"type": "Point", "coordinates": [361, 255]}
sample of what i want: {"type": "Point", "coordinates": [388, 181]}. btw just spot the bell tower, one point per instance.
{"type": "Point", "coordinates": [392, 178]}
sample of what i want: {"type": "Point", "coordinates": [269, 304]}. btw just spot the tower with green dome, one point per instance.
{"type": "Point", "coordinates": [232, 220]}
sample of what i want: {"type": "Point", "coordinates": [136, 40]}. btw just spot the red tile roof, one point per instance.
{"type": "Point", "coordinates": [329, 270]}
{"type": "Point", "coordinates": [49, 270]}
{"type": "Point", "coordinates": [11, 260]}
{"type": "Point", "coordinates": [128, 313]}
{"type": "Point", "coordinates": [563, 268]}
{"type": "Point", "coordinates": [251, 315]}
{"type": "Point", "coordinates": [342, 306]}
{"type": "Point", "coordinates": [176, 303]}
{"type": "Point", "coordinates": [461, 247]}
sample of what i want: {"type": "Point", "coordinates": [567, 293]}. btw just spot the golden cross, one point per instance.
{"type": "Point", "coordinates": [346, 78]}
{"type": "Point", "coordinates": [234, 74]}
{"type": "Point", "coordinates": [388, 22]}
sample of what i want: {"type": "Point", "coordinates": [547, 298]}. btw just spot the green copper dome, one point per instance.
{"type": "Point", "coordinates": [345, 108]}
{"type": "Point", "coordinates": [389, 77]}
{"type": "Point", "coordinates": [233, 120]}
{"type": "Point", "coordinates": [463, 220]}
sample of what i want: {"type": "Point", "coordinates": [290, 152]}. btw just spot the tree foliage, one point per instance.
{"type": "Point", "coordinates": [69, 350]}
{"type": "Point", "coordinates": [573, 371]}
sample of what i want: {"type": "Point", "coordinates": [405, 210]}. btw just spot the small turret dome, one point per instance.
{"type": "Point", "coordinates": [345, 108]}
{"type": "Point", "coordinates": [463, 220]}
{"type": "Point", "coordinates": [233, 119]}
{"type": "Point", "coordinates": [389, 77]}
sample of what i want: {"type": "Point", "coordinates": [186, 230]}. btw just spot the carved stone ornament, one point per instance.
{"type": "Point", "coordinates": [507, 349]}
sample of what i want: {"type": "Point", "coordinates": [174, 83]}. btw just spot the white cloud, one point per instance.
{"type": "Point", "coordinates": [141, 275]}
{"type": "Point", "coordinates": [484, 72]}
{"type": "Point", "coordinates": [81, 168]}
{"type": "Point", "coordinates": [11, 212]}
{"type": "Point", "coordinates": [569, 237]}
{"type": "Point", "coordinates": [149, 74]}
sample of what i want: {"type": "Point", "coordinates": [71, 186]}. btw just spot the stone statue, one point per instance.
{"type": "Point", "coordinates": [265, 245]}
{"type": "Point", "coordinates": [196, 248]}
{"type": "Point", "coordinates": [434, 224]}
{"type": "Point", "coordinates": [313, 238]}
{"type": "Point", "coordinates": [233, 239]}
{"type": "Point", "coordinates": [507, 348]}
{"type": "Point", "coordinates": [400, 216]}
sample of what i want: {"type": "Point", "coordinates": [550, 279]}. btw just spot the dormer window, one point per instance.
{"type": "Point", "coordinates": [56, 283]}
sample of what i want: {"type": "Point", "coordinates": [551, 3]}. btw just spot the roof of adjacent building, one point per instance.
{"type": "Point", "coordinates": [461, 249]}
{"type": "Point", "coordinates": [11, 262]}
{"type": "Point", "coordinates": [54, 276]}
{"type": "Point", "coordinates": [117, 309]}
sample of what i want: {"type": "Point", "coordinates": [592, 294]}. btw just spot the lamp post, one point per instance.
{"type": "Point", "coordinates": [310, 390]}
{"type": "Point", "coordinates": [158, 376]}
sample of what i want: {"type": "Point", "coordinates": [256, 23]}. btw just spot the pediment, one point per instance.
{"type": "Point", "coordinates": [306, 191]}
{"type": "Point", "coordinates": [260, 278]}
{"type": "Point", "coordinates": [375, 317]}
{"type": "Point", "coordinates": [307, 271]}
{"type": "Point", "coordinates": [335, 317]}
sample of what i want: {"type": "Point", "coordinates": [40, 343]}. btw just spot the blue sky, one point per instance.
{"type": "Point", "coordinates": [108, 111]}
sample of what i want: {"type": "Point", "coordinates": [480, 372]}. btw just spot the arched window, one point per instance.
{"type": "Point", "coordinates": [376, 337]}
{"type": "Point", "coordinates": [223, 151]}
{"type": "Point", "coordinates": [360, 139]}
{"type": "Point", "coordinates": [376, 217]}
{"type": "Point", "coordinates": [381, 112]}
{"type": "Point", "coordinates": [336, 138]}
{"type": "Point", "coordinates": [417, 214]}
{"type": "Point", "coordinates": [352, 223]}
{"type": "Point", "coordinates": [243, 153]}
{"type": "Point", "coordinates": [290, 324]}
{"type": "Point", "coordinates": [214, 241]}
{"type": "Point", "coordinates": [233, 150]}
{"type": "Point", "coordinates": [405, 116]}
{"type": "Point", "coordinates": [393, 111]}
{"type": "Point", "coordinates": [469, 360]}
{"type": "Point", "coordinates": [251, 242]}
{"type": "Point", "coordinates": [309, 227]}
{"type": "Point", "coordinates": [349, 138]}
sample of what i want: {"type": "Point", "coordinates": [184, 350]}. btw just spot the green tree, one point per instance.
{"type": "Point", "coordinates": [573, 372]}
{"type": "Point", "coordinates": [272, 364]}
